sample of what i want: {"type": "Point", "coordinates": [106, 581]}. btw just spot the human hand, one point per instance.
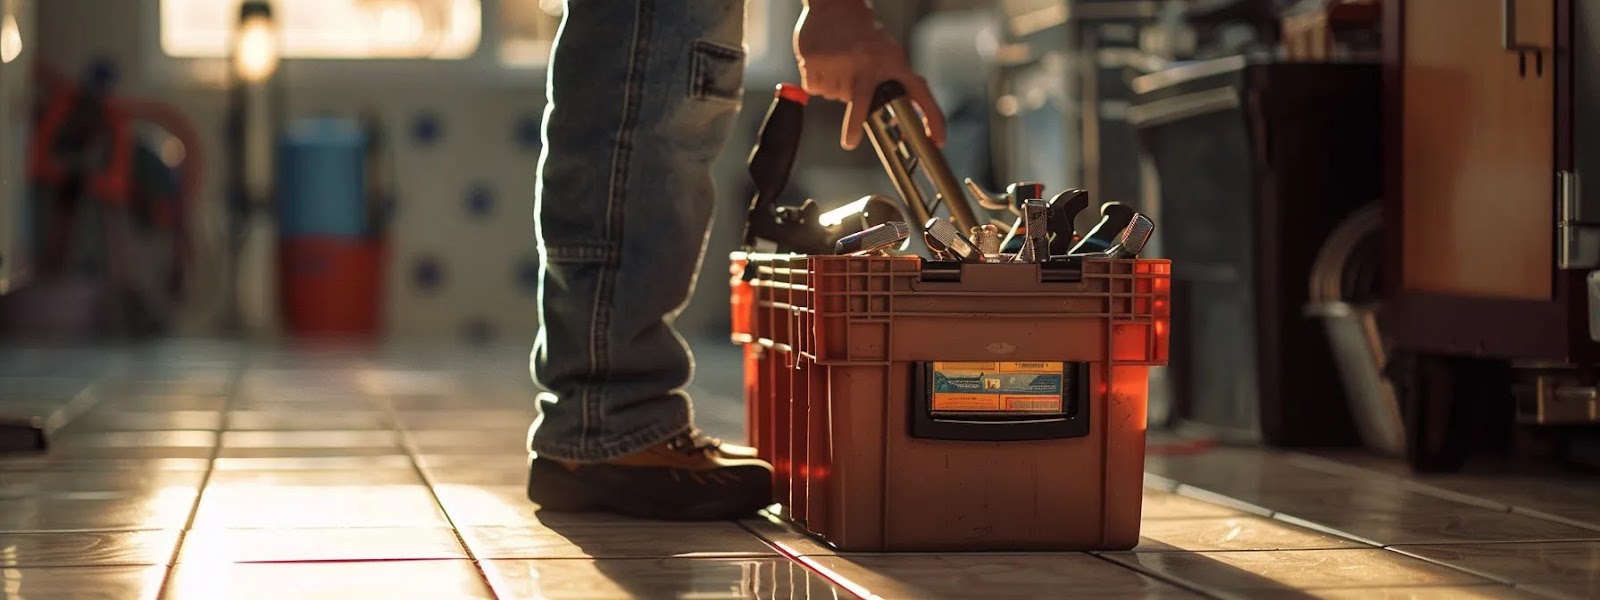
{"type": "Point", "coordinates": [844, 54]}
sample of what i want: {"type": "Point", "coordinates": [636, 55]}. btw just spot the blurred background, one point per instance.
{"type": "Point", "coordinates": [365, 169]}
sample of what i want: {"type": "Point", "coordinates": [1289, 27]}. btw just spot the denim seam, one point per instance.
{"type": "Point", "coordinates": [599, 353]}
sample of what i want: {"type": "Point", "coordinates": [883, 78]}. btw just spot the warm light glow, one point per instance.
{"type": "Point", "coordinates": [837, 215]}
{"type": "Point", "coordinates": [10, 39]}
{"type": "Point", "coordinates": [255, 54]}
{"type": "Point", "coordinates": [331, 29]}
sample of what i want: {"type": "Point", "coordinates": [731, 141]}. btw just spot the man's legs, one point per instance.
{"type": "Point", "coordinates": [642, 96]}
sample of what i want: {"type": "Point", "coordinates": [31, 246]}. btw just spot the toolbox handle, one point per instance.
{"type": "Point", "coordinates": [1069, 270]}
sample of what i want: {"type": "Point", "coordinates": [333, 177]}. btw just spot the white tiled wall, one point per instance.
{"type": "Point", "coordinates": [14, 80]}
{"type": "Point", "coordinates": [483, 285]}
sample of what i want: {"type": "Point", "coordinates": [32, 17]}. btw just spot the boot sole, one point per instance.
{"type": "Point", "coordinates": [559, 490]}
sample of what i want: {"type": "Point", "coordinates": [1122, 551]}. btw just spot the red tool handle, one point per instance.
{"type": "Point", "coordinates": [776, 147]}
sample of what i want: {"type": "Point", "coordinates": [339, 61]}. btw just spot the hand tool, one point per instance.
{"type": "Point", "coordinates": [897, 134]}
{"type": "Point", "coordinates": [1064, 209]}
{"type": "Point", "coordinates": [986, 199]}
{"type": "Point", "coordinates": [940, 253]}
{"type": "Point", "coordinates": [945, 238]}
{"type": "Point", "coordinates": [869, 211]}
{"type": "Point", "coordinates": [876, 238]}
{"type": "Point", "coordinates": [1114, 217]}
{"type": "Point", "coordinates": [1128, 242]}
{"type": "Point", "coordinates": [1035, 242]}
{"type": "Point", "coordinates": [770, 164]}
{"type": "Point", "coordinates": [1016, 194]}
{"type": "Point", "coordinates": [986, 238]}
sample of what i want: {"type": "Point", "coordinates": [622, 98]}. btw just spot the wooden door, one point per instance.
{"type": "Point", "coordinates": [1478, 182]}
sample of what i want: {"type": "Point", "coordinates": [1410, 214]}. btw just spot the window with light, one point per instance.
{"type": "Point", "coordinates": [390, 29]}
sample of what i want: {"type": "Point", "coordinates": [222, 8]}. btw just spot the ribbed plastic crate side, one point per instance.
{"type": "Point", "coordinates": [756, 402]}
{"type": "Point", "coordinates": [852, 441]}
{"type": "Point", "coordinates": [853, 297]}
{"type": "Point", "coordinates": [858, 306]}
{"type": "Point", "coordinates": [778, 373]}
{"type": "Point", "coordinates": [1123, 420]}
{"type": "Point", "coordinates": [741, 299]}
{"type": "Point", "coordinates": [819, 461]}
{"type": "Point", "coordinates": [799, 419]}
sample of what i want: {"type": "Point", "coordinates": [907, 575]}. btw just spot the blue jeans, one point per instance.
{"type": "Point", "coordinates": [642, 95]}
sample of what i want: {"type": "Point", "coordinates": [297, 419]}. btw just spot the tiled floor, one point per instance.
{"type": "Point", "coordinates": [210, 470]}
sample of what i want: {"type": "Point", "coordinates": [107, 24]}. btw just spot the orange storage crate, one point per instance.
{"type": "Point", "coordinates": [845, 360]}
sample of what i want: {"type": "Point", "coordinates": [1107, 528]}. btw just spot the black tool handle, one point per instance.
{"type": "Point", "coordinates": [773, 157]}
{"type": "Point", "coordinates": [1064, 209]}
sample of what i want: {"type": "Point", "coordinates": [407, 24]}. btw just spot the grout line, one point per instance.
{"type": "Point", "coordinates": [1140, 569]}
{"type": "Point", "coordinates": [1223, 500]}
{"type": "Point", "coordinates": [1447, 565]}
{"type": "Point", "coordinates": [403, 436]}
{"type": "Point", "coordinates": [230, 398]}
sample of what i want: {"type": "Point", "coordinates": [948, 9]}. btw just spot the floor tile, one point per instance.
{"type": "Point", "coordinates": [92, 548]}
{"type": "Point", "coordinates": [464, 418]}
{"type": "Point", "coordinates": [55, 463]}
{"type": "Point", "coordinates": [392, 454]}
{"type": "Point", "coordinates": [332, 439]}
{"type": "Point", "coordinates": [1473, 592]}
{"type": "Point", "coordinates": [386, 382]}
{"type": "Point", "coordinates": [592, 541]}
{"type": "Point", "coordinates": [256, 420]}
{"type": "Point", "coordinates": [251, 506]}
{"type": "Point", "coordinates": [1458, 526]}
{"type": "Point", "coordinates": [498, 461]}
{"type": "Point", "coordinates": [487, 440]}
{"type": "Point", "coordinates": [1167, 505]}
{"type": "Point", "coordinates": [25, 484]}
{"type": "Point", "coordinates": [785, 537]}
{"type": "Point", "coordinates": [316, 477]}
{"type": "Point", "coordinates": [471, 505]}
{"type": "Point", "coordinates": [1308, 569]}
{"type": "Point", "coordinates": [1564, 591]}
{"type": "Point", "coordinates": [304, 545]}
{"type": "Point", "coordinates": [699, 578]}
{"type": "Point", "coordinates": [121, 440]}
{"type": "Point", "coordinates": [305, 463]}
{"type": "Point", "coordinates": [190, 384]}
{"type": "Point", "coordinates": [140, 452]}
{"type": "Point", "coordinates": [130, 420]}
{"type": "Point", "coordinates": [966, 576]}
{"type": "Point", "coordinates": [1233, 533]}
{"type": "Point", "coordinates": [390, 580]}
{"type": "Point", "coordinates": [112, 401]}
{"type": "Point", "coordinates": [1571, 563]}
{"type": "Point", "coordinates": [161, 509]}
{"type": "Point", "coordinates": [517, 476]}
{"type": "Point", "coordinates": [478, 505]}
{"type": "Point", "coordinates": [84, 583]}
{"type": "Point", "coordinates": [433, 402]}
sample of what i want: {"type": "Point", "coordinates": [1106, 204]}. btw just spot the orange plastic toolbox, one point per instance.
{"type": "Point", "coordinates": [910, 405]}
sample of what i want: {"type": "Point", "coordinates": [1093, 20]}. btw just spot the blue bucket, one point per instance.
{"type": "Point", "coordinates": [322, 187]}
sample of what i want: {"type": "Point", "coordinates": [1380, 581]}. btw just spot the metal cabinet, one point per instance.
{"type": "Point", "coordinates": [1490, 235]}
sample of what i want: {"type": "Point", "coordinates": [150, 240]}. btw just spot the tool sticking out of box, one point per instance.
{"type": "Point", "coordinates": [1043, 231]}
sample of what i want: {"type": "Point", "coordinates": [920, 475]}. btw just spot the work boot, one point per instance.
{"type": "Point", "coordinates": [692, 477]}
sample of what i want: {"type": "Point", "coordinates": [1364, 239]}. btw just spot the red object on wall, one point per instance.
{"type": "Point", "coordinates": [332, 286]}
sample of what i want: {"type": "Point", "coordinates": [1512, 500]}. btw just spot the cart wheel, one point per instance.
{"type": "Point", "coordinates": [1437, 419]}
